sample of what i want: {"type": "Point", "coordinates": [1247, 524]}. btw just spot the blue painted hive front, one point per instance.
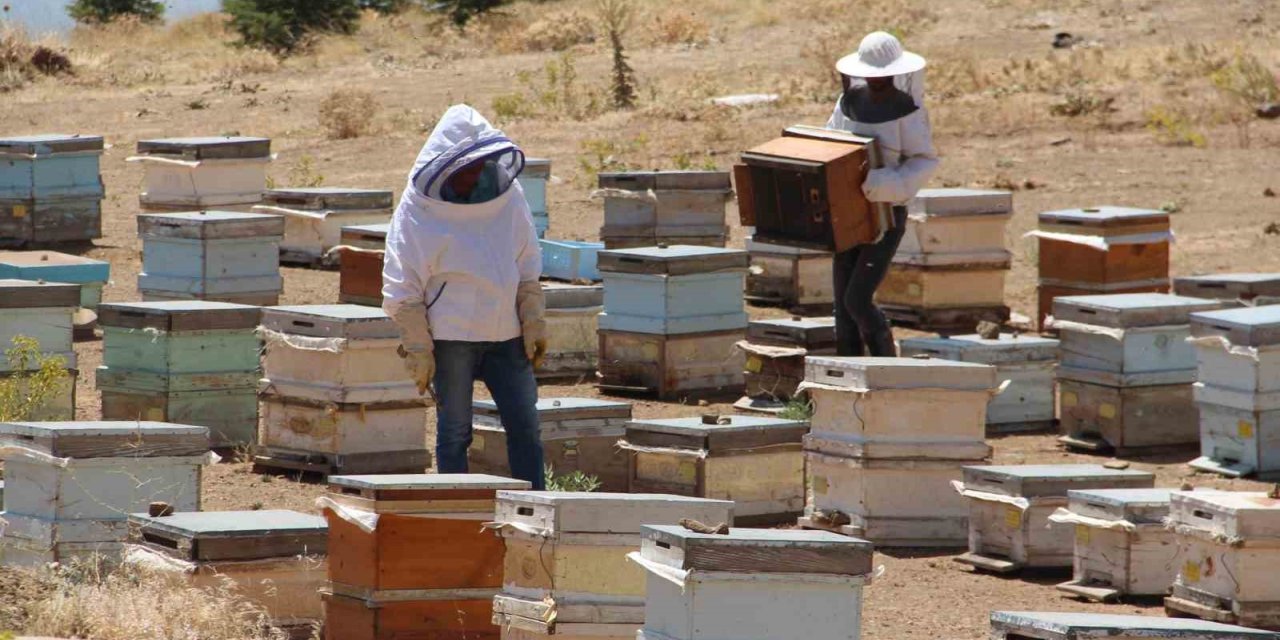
{"type": "Point", "coordinates": [51, 166]}
{"type": "Point", "coordinates": [210, 253]}
{"type": "Point", "coordinates": [673, 290]}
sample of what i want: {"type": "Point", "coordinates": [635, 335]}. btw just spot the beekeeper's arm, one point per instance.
{"type": "Point", "coordinates": [531, 304]}
{"type": "Point", "coordinates": [920, 160]}
{"type": "Point", "coordinates": [404, 278]}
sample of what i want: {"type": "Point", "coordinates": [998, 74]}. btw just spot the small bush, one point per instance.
{"type": "Point", "coordinates": [103, 11]}
{"type": "Point", "coordinates": [1080, 103]}
{"type": "Point", "coordinates": [576, 481]}
{"type": "Point", "coordinates": [1173, 128]}
{"type": "Point", "coordinates": [555, 32]}
{"type": "Point", "coordinates": [555, 94]}
{"type": "Point", "coordinates": [348, 113]}
{"type": "Point", "coordinates": [25, 395]}
{"type": "Point", "coordinates": [21, 60]}
{"type": "Point", "coordinates": [798, 408]}
{"type": "Point", "coordinates": [680, 27]}
{"type": "Point", "coordinates": [283, 26]}
{"type": "Point", "coordinates": [303, 173]}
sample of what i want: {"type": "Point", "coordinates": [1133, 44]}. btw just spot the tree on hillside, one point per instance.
{"type": "Point", "coordinates": [282, 26]}
{"type": "Point", "coordinates": [101, 11]}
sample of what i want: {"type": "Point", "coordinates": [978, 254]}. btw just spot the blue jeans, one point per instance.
{"type": "Point", "coordinates": [508, 374]}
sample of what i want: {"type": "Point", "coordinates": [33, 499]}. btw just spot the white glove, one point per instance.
{"type": "Point", "coordinates": [531, 306]}
{"type": "Point", "coordinates": [417, 344]}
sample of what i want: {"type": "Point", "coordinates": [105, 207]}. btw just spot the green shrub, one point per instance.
{"type": "Point", "coordinates": [576, 481]}
{"type": "Point", "coordinates": [282, 26]}
{"type": "Point", "coordinates": [39, 379]}
{"type": "Point", "coordinates": [101, 11]}
{"type": "Point", "coordinates": [798, 408]}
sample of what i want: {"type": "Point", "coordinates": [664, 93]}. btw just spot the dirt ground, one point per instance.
{"type": "Point", "coordinates": [994, 81]}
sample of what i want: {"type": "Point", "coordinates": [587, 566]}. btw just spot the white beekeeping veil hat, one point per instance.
{"type": "Point", "coordinates": [880, 55]}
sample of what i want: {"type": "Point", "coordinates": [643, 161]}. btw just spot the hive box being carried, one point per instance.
{"type": "Point", "coordinates": [1010, 505]}
{"type": "Point", "coordinates": [775, 351]}
{"type": "Point", "coordinates": [198, 173]}
{"type": "Point", "coordinates": [382, 585]}
{"type": "Point", "coordinates": [360, 269]}
{"type": "Point", "coordinates": [314, 217]}
{"type": "Point", "coordinates": [752, 584]}
{"type": "Point", "coordinates": [533, 181]}
{"type": "Point", "coordinates": [1247, 289]}
{"type": "Point", "coordinates": [43, 312]}
{"type": "Point", "coordinates": [273, 559]}
{"type": "Point", "coordinates": [572, 329]}
{"type": "Point", "coordinates": [189, 362]}
{"type": "Point", "coordinates": [790, 277]}
{"type": "Point", "coordinates": [1122, 547]}
{"type": "Point", "coordinates": [50, 189]}
{"type": "Point", "coordinates": [1126, 370]}
{"type": "Point", "coordinates": [1017, 625]}
{"type": "Point", "coordinates": [211, 255]}
{"type": "Point", "coordinates": [578, 434]}
{"type": "Point", "coordinates": [1101, 250]}
{"type": "Point", "coordinates": [566, 570]}
{"type": "Point", "coordinates": [1026, 361]}
{"type": "Point", "coordinates": [642, 209]}
{"type": "Point", "coordinates": [753, 461]}
{"type": "Point", "coordinates": [335, 397]}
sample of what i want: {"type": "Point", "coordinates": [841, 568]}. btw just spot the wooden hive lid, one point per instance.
{"type": "Point", "coordinates": [1006, 349]}
{"type": "Point", "coordinates": [105, 439]}
{"type": "Point", "coordinates": [961, 202]}
{"type": "Point", "coordinates": [53, 266]}
{"type": "Point", "coordinates": [1106, 217]}
{"type": "Point", "coordinates": [560, 295]}
{"type": "Point", "coordinates": [807, 333]}
{"type": "Point", "coordinates": [324, 198]}
{"type": "Point", "coordinates": [557, 409]}
{"type": "Point", "coordinates": [559, 512]}
{"type": "Point", "coordinates": [757, 551]}
{"type": "Point", "coordinates": [232, 535]}
{"type": "Point", "coordinates": [726, 432]}
{"type": "Point", "coordinates": [179, 315]}
{"type": "Point", "coordinates": [1045, 480]}
{"type": "Point", "coordinates": [672, 260]}
{"type": "Point", "coordinates": [207, 148]}
{"type": "Point", "coordinates": [811, 151]}
{"type": "Point", "coordinates": [1139, 505]}
{"type": "Point", "coordinates": [1247, 327]}
{"type": "Point", "coordinates": [899, 373]}
{"type": "Point", "coordinates": [367, 231]}
{"type": "Point", "coordinates": [50, 143]}
{"type": "Point", "coordinates": [35, 294]}
{"type": "Point", "coordinates": [1249, 515]}
{"type": "Point", "coordinates": [1129, 310]}
{"type": "Point", "coordinates": [1229, 285]}
{"type": "Point", "coordinates": [348, 321]}
{"type": "Point", "coordinates": [210, 225]}
{"type": "Point", "coordinates": [1079, 626]}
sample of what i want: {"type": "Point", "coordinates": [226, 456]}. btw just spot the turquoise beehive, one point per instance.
{"type": "Point", "coordinates": [678, 289]}
{"type": "Point", "coordinates": [50, 189]}
{"type": "Point", "coordinates": [226, 256]}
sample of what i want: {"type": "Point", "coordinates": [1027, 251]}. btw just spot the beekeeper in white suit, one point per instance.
{"type": "Point", "coordinates": [883, 98]}
{"type": "Point", "coordinates": [460, 279]}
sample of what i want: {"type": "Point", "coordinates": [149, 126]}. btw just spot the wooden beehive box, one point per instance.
{"type": "Point", "coordinates": [775, 352]}
{"type": "Point", "coordinates": [360, 269]}
{"type": "Point", "coordinates": [1230, 552]}
{"type": "Point", "coordinates": [187, 362]}
{"type": "Point", "coordinates": [1125, 340]}
{"type": "Point", "coordinates": [791, 277]}
{"type": "Point", "coordinates": [731, 586]}
{"type": "Point", "coordinates": [945, 296]}
{"type": "Point", "coordinates": [275, 559]}
{"type": "Point", "coordinates": [673, 290]}
{"type": "Point", "coordinates": [533, 181]}
{"type": "Point", "coordinates": [315, 216]}
{"type": "Point", "coordinates": [196, 173]}
{"type": "Point", "coordinates": [668, 205]}
{"type": "Point", "coordinates": [1026, 361]}
{"type": "Point", "coordinates": [570, 260]}
{"type": "Point", "coordinates": [50, 189]}
{"type": "Point", "coordinates": [954, 227]}
{"type": "Point", "coordinates": [571, 318]}
{"type": "Point", "coordinates": [1010, 505]}
{"type": "Point", "coordinates": [1249, 289]}
{"type": "Point", "coordinates": [41, 311]}
{"type": "Point", "coordinates": [1016, 625]}
{"type": "Point", "coordinates": [1122, 547]}
{"type": "Point", "coordinates": [756, 462]}
{"type": "Point", "coordinates": [672, 367]}
{"type": "Point", "coordinates": [566, 563]}
{"type": "Point", "coordinates": [211, 255]}
{"type": "Point", "coordinates": [578, 434]}
{"type": "Point", "coordinates": [52, 266]}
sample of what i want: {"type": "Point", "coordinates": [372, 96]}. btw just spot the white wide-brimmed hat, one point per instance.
{"type": "Point", "coordinates": [879, 55]}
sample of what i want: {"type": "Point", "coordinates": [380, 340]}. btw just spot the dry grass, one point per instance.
{"type": "Point", "coordinates": [348, 113]}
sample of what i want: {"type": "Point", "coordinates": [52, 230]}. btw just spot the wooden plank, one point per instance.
{"type": "Point", "coordinates": [392, 558]}
{"type": "Point", "coordinates": [746, 196]}
{"type": "Point", "coordinates": [328, 198]}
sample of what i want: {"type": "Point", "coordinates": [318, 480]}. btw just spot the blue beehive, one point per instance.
{"type": "Point", "coordinates": [533, 181]}
{"type": "Point", "coordinates": [211, 255]}
{"type": "Point", "coordinates": [52, 266]}
{"type": "Point", "coordinates": [50, 189]}
{"type": "Point", "coordinates": [570, 259]}
{"type": "Point", "coordinates": [673, 290]}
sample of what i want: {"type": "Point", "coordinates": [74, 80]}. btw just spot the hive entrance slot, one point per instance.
{"type": "Point", "coordinates": [1204, 515]}
{"type": "Point", "coordinates": [524, 511]}
{"type": "Point", "coordinates": [303, 323]}
{"type": "Point", "coordinates": [664, 545]}
{"type": "Point", "coordinates": [160, 541]}
{"type": "Point", "coordinates": [835, 373]}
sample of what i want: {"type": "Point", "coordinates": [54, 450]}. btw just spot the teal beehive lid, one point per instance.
{"type": "Point", "coordinates": [52, 266]}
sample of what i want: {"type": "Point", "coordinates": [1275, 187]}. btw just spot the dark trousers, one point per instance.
{"type": "Point", "coordinates": [861, 328]}
{"type": "Point", "coordinates": [508, 374]}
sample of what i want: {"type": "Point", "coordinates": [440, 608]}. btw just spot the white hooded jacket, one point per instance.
{"type": "Point", "coordinates": [464, 261]}
{"type": "Point", "coordinates": [906, 145]}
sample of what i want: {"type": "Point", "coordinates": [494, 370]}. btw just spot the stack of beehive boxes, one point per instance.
{"type": "Point", "coordinates": [642, 209]}
{"type": "Point", "coordinates": [314, 217]}
{"type": "Point", "coordinates": [360, 268]}
{"type": "Point", "coordinates": [1016, 625]}
{"type": "Point", "coordinates": [566, 571]}
{"type": "Point", "coordinates": [886, 428]}
{"type": "Point", "coordinates": [1244, 289]}
{"type": "Point", "coordinates": [1026, 361]}
{"type": "Point", "coordinates": [578, 434]}
{"type": "Point", "coordinates": [533, 181]}
{"type": "Point", "coordinates": [189, 362]}
{"type": "Point", "coordinates": [794, 278]}
{"type": "Point", "coordinates": [1122, 547]}
{"type": "Point", "coordinates": [775, 351]}
{"type": "Point", "coordinates": [41, 311]}
{"type": "Point", "coordinates": [752, 584]}
{"type": "Point", "coordinates": [1101, 250]}
{"type": "Point", "coordinates": [672, 316]}
{"type": "Point", "coordinates": [211, 255]}
{"type": "Point", "coordinates": [200, 173]}
{"type": "Point", "coordinates": [50, 189]}
{"type": "Point", "coordinates": [70, 486]}
{"type": "Point", "coordinates": [949, 270]}
{"type": "Point", "coordinates": [408, 557]}
{"type": "Point", "coordinates": [1238, 390]}
{"type": "Point", "coordinates": [572, 332]}
{"type": "Point", "coordinates": [1126, 370]}
{"type": "Point", "coordinates": [755, 462]}
{"type": "Point", "coordinates": [335, 397]}
{"type": "Point", "coordinates": [1010, 505]}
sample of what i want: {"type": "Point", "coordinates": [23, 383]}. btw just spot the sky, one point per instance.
{"type": "Point", "coordinates": [39, 17]}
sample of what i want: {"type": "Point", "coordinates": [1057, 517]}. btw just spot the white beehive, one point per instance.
{"type": "Point", "coordinates": [1122, 547]}
{"type": "Point", "coordinates": [656, 206]}
{"type": "Point", "coordinates": [42, 311]}
{"type": "Point", "coordinates": [956, 227]}
{"type": "Point", "coordinates": [1250, 289]}
{"type": "Point", "coordinates": [211, 255]}
{"type": "Point", "coordinates": [196, 173]}
{"type": "Point", "coordinates": [573, 344]}
{"type": "Point", "coordinates": [1016, 625]}
{"type": "Point", "coordinates": [314, 217]}
{"type": "Point", "coordinates": [578, 434]}
{"type": "Point", "coordinates": [679, 289]}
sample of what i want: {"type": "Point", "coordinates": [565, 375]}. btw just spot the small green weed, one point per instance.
{"type": "Point", "coordinates": [576, 481]}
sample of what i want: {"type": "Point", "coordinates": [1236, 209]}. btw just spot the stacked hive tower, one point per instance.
{"type": "Point", "coordinates": [533, 181]}
{"type": "Point", "coordinates": [50, 189]}
{"type": "Point", "coordinates": [51, 266]}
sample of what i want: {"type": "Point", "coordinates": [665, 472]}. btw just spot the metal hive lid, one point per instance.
{"type": "Point", "coordinates": [331, 321]}
{"type": "Point", "coordinates": [961, 202]}
{"type": "Point", "coordinates": [1126, 310]}
{"type": "Point", "coordinates": [1006, 349]}
{"type": "Point", "coordinates": [207, 148]}
{"type": "Point", "coordinates": [179, 315]}
{"type": "Point", "coordinates": [435, 481]}
{"type": "Point", "coordinates": [1250, 326]}
{"type": "Point", "coordinates": [50, 143]}
{"type": "Point", "coordinates": [672, 260]}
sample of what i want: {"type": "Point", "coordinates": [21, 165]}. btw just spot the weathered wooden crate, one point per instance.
{"type": "Point", "coordinates": [52, 266]}
{"type": "Point", "coordinates": [665, 204]}
{"type": "Point", "coordinates": [1122, 547]}
{"type": "Point", "coordinates": [1049, 290]}
{"type": "Point", "coordinates": [578, 434]}
{"type": "Point", "coordinates": [50, 166]}
{"type": "Point", "coordinates": [775, 352]}
{"type": "Point", "coordinates": [754, 461]}
{"type": "Point", "coordinates": [1129, 339]}
{"type": "Point", "coordinates": [211, 255]}
{"type": "Point", "coordinates": [203, 172]}
{"type": "Point", "coordinates": [360, 268]}
{"type": "Point", "coordinates": [273, 558]}
{"type": "Point", "coordinates": [1010, 505]}
{"type": "Point", "coordinates": [673, 290]}
{"type": "Point", "coordinates": [1230, 554]}
{"type": "Point", "coordinates": [1102, 417]}
{"type": "Point", "coordinates": [1238, 432]}
{"type": "Point", "coordinates": [566, 555]}
{"type": "Point", "coordinates": [956, 227]}
{"type": "Point", "coordinates": [1104, 245]}
{"type": "Point", "coordinates": [50, 220]}
{"type": "Point", "coordinates": [1250, 289]}
{"type": "Point", "coordinates": [329, 437]}
{"type": "Point", "coordinates": [929, 288]}
{"type": "Point", "coordinates": [572, 326]}
{"type": "Point", "coordinates": [41, 311]}
{"type": "Point", "coordinates": [672, 367]}
{"type": "Point", "coordinates": [315, 216]}
{"type": "Point", "coordinates": [752, 584]}
{"type": "Point", "coordinates": [791, 277]}
{"type": "Point", "coordinates": [570, 260]}
{"type": "Point", "coordinates": [1016, 625]}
